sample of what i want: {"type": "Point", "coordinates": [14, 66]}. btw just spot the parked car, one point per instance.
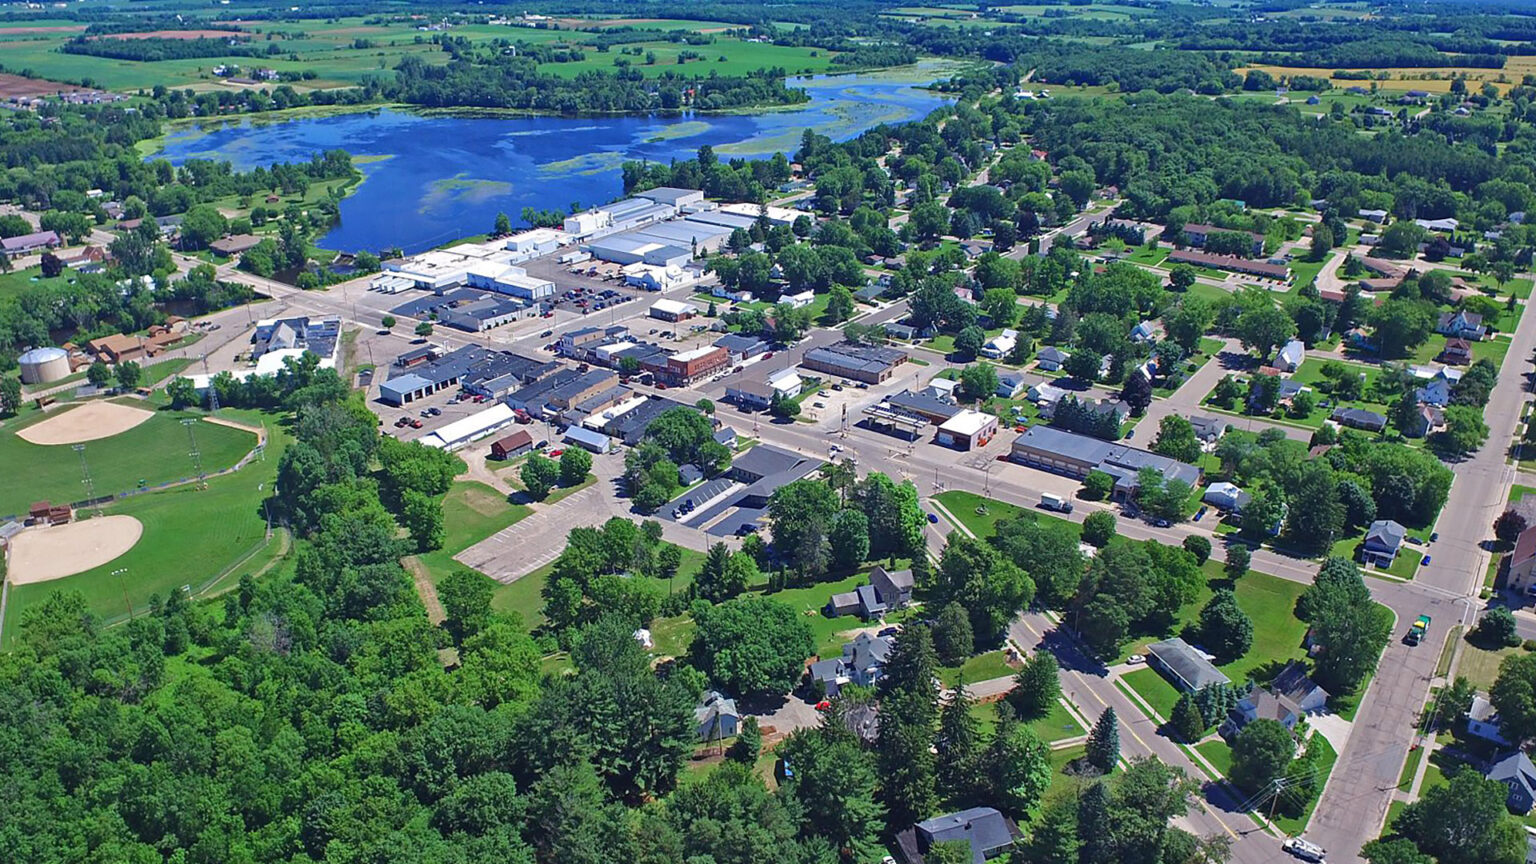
{"type": "Point", "coordinates": [556, 454]}
{"type": "Point", "coordinates": [933, 519]}
{"type": "Point", "coordinates": [435, 411]}
{"type": "Point", "coordinates": [416, 424]}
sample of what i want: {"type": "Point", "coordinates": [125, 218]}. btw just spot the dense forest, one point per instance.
{"type": "Point", "coordinates": [151, 49]}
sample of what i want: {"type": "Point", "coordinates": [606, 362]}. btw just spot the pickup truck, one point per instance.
{"type": "Point", "coordinates": [1417, 632]}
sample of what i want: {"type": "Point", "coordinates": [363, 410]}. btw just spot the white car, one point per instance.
{"type": "Point", "coordinates": [1135, 660]}
{"type": "Point", "coordinates": [1304, 850]}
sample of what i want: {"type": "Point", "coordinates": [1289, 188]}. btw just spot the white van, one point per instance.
{"type": "Point", "coordinates": [1055, 502]}
{"type": "Point", "coordinates": [1304, 850]}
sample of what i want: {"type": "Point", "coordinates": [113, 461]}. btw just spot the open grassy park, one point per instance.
{"type": "Point", "coordinates": [154, 452]}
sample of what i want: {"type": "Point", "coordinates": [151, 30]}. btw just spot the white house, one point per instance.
{"type": "Point", "coordinates": [799, 301]}
{"type": "Point", "coordinates": [1437, 384]}
{"type": "Point", "coordinates": [1000, 345]}
{"type": "Point", "coordinates": [1483, 721]}
{"type": "Point", "coordinates": [1226, 496]}
{"type": "Point", "coordinates": [1146, 331]}
{"type": "Point", "coordinates": [1010, 384]}
{"type": "Point", "coordinates": [942, 388]}
{"type": "Point", "coordinates": [1290, 356]}
{"type": "Point", "coordinates": [1050, 358]}
{"type": "Point", "coordinates": [786, 383]}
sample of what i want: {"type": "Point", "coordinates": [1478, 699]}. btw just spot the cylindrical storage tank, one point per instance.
{"type": "Point", "coordinates": [44, 365]}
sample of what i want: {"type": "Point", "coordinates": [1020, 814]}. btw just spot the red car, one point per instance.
{"type": "Point", "coordinates": [415, 424]}
{"type": "Point", "coordinates": [556, 454]}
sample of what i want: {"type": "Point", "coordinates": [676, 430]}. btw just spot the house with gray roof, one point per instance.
{"type": "Point", "coordinates": [1183, 666]}
{"type": "Point", "coordinates": [1359, 418]}
{"type": "Point", "coordinates": [1518, 775]}
{"type": "Point", "coordinates": [716, 717]}
{"type": "Point", "coordinates": [989, 833]}
{"type": "Point", "coordinates": [1483, 721]}
{"type": "Point", "coordinates": [1074, 455]}
{"type": "Point", "coordinates": [862, 663]}
{"type": "Point", "coordinates": [1208, 429]}
{"type": "Point", "coordinates": [1383, 540]}
{"type": "Point", "coordinates": [1050, 358]}
{"type": "Point", "coordinates": [886, 590]}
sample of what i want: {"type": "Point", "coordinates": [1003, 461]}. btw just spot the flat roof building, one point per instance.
{"type": "Point", "coordinates": [967, 430]}
{"type": "Point", "coordinates": [673, 310]}
{"type": "Point", "coordinates": [471, 428]}
{"type": "Point", "coordinates": [1183, 666]}
{"type": "Point", "coordinates": [1074, 455]}
{"type": "Point", "coordinates": [869, 363]}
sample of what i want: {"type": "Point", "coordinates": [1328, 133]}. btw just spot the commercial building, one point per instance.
{"type": "Point", "coordinates": [512, 446]}
{"type": "Point", "coordinates": [1074, 455]}
{"type": "Point", "coordinates": [587, 439]}
{"type": "Point", "coordinates": [486, 314]}
{"type": "Point", "coordinates": [534, 242]}
{"type": "Point", "coordinates": [1198, 234]}
{"type": "Point", "coordinates": [471, 428]}
{"type": "Point", "coordinates": [552, 395]}
{"type": "Point", "coordinates": [775, 215]}
{"type": "Point", "coordinates": [967, 430]}
{"type": "Point", "coordinates": [682, 369]}
{"type": "Point", "coordinates": [751, 395]}
{"type": "Point", "coordinates": [509, 280]}
{"type": "Point", "coordinates": [673, 310]}
{"type": "Point", "coordinates": [741, 346]}
{"type": "Point", "coordinates": [672, 196]}
{"type": "Point", "coordinates": [234, 244]}
{"type": "Point", "coordinates": [925, 405]}
{"type": "Point", "coordinates": [869, 363]}
{"type": "Point", "coordinates": [316, 335]}
{"type": "Point", "coordinates": [480, 371]}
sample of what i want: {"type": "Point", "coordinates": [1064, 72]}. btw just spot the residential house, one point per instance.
{"type": "Point", "coordinates": [1296, 686]}
{"type": "Point", "coordinates": [942, 389]}
{"type": "Point", "coordinates": [1359, 418]}
{"type": "Point", "coordinates": [1226, 497]}
{"type": "Point", "coordinates": [1051, 358]}
{"type": "Point", "coordinates": [1483, 721]}
{"type": "Point", "coordinates": [726, 436]}
{"type": "Point", "coordinates": [1290, 356]}
{"type": "Point", "coordinates": [1383, 540]}
{"type": "Point", "coordinates": [1010, 384]}
{"type": "Point", "coordinates": [716, 717]}
{"type": "Point", "coordinates": [1427, 419]}
{"type": "Point", "coordinates": [1208, 429]}
{"type": "Point", "coordinates": [1001, 345]}
{"type": "Point", "coordinates": [1437, 386]}
{"type": "Point", "coordinates": [1522, 563]}
{"type": "Point", "coordinates": [886, 591]}
{"type": "Point", "coordinates": [989, 833]}
{"type": "Point", "coordinates": [862, 663]}
{"type": "Point", "coordinates": [1457, 351]}
{"type": "Point", "coordinates": [1145, 331]}
{"type": "Point", "coordinates": [1183, 666]}
{"type": "Point", "coordinates": [1462, 324]}
{"type": "Point", "coordinates": [1517, 773]}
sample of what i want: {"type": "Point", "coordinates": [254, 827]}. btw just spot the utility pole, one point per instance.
{"type": "Point", "coordinates": [197, 455]}
{"type": "Point", "coordinates": [85, 473]}
{"type": "Point", "coordinates": [213, 392]}
{"type": "Point", "coordinates": [124, 587]}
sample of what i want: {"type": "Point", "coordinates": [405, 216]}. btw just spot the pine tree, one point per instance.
{"type": "Point", "coordinates": [1094, 826]}
{"type": "Point", "coordinates": [1055, 838]}
{"type": "Point", "coordinates": [748, 743]}
{"type": "Point", "coordinates": [1187, 720]}
{"type": "Point", "coordinates": [959, 742]}
{"type": "Point", "coordinates": [1104, 742]}
{"type": "Point", "coordinates": [1036, 687]}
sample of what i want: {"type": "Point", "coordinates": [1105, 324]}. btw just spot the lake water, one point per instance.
{"type": "Point", "coordinates": [430, 179]}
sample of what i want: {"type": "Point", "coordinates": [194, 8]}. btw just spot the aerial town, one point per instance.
{"type": "Point", "coordinates": [1070, 434]}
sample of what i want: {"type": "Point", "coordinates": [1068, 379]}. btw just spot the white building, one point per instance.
{"type": "Point", "coordinates": [967, 430]}
{"type": "Point", "coordinates": [799, 301]}
{"type": "Point", "coordinates": [786, 383]}
{"type": "Point", "coordinates": [533, 243]}
{"type": "Point", "coordinates": [471, 428]}
{"type": "Point", "coordinates": [588, 223]}
{"type": "Point", "coordinates": [673, 310]}
{"type": "Point", "coordinates": [1000, 345]}
{"type": "Point", "coordinates": [652, 278]}
{"type": "Point", "coordinates": [774, 215]}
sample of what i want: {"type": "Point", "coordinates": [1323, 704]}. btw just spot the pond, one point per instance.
{"type": "Point", "coordinates": [432, 178]}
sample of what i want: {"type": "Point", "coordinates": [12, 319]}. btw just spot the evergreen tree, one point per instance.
{"type": "Point", "coordinates": [1095, 827]}
{"type": "Point", "coordinates": [1187, 720]}
{"type": "Point", "coordinates": [748, 743]}
{"type": "Point", "coordinates": [1018, 767]}
{"type": "Point", "coordinates": [1104, 742]}
{"type": "Point", "coordinates": [1055, 838]}
{"type": "Point", "coordinates": [958, 745]}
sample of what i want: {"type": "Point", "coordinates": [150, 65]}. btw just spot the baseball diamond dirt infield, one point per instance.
{"type": "Point", "coordinates": [44, 554]}
{"type": "Point", "coordinates": [89, 422]}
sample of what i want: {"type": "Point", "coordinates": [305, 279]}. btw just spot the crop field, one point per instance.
{"type": "Point", "coordinates": [155, 451]}
{"type": "Point", "coordinates": [1398, 79]}
{"type": "Point", "coordinates": [343, 52]}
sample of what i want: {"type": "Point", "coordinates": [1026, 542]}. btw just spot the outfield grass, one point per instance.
{"type": "Point", "coordinates": [191, 537]}
{"type": "Point", "coordinates": [156, 451]}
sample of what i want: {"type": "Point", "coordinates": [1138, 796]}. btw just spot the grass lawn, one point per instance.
{"type": "Point", "coordinates": [1411, 767]}
{"type": "Point", "coordinates": [1154, 689]}
{"type": "Point", "coordinates": [982, 667]}
{"type": "Point", "coordinates": [153, 452]}
{"type": "Point", "coordinates": [1277, 632]}
{"type": "Point", "coordinates": [18, 282]}
{"type": "Point", "coordinates": [963, 506]}
{"type": "Point", "coordinates": [1404, 566]}
{"type": "Point", "coordinates": [1218, 753]}
{"type": "Point", "coordinates": [1481, 666]}
{"type": "Point", "coordinates": [229, 532]}
{"type": "Point", "coordinates": [1295, 825]}
{"type": "Point", "coordinates": [1057, 725]}
{"type": "Point", "coordinates": [472, 511]}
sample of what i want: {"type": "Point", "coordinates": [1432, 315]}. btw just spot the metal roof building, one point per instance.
{"type": "Point", "coordinates": [1184, 667]}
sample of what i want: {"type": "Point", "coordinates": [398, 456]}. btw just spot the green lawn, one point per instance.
{"type": "Point", "coordinates": [18, 282]}
{"type": "Point", "coordinates": [1057, 725]}
{"type": "Point", "coordinates": [191, 537]}
{"type": "Point", "coordinates": [1404, 566]}
{"type": "Point", "coordinates": [1154, 689]}
{"type": "Point", "coordinates": [1218, 753]}
{"type": "Point", "coordinates": [963, 506]}
{"type": "Point", "coordinates": [982, 667]}
{"type": "Point", "coordinates": [1295, 825]}
{"type": "Point", "coordinates": [1481, 666]}
{"type": "Point", "coordinates": [1411, 767]}
{"type": "Point", "coordinates": [154, 452]}
{"type": "Point", "coordinates": [472, 511]}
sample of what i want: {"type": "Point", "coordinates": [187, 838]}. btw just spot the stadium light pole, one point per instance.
{"type": "Point", "coordinates": [123, 586]}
